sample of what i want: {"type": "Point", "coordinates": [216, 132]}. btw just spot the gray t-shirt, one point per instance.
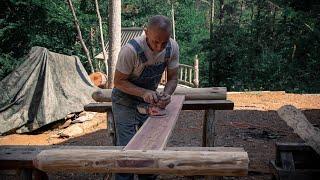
{"type": "Point", "coordinates": [130, 64]}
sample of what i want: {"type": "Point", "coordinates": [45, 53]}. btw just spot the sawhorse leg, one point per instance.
{"type": "Point", "coordinates": [28, 174]}
{"type": "Point", "coordinates": [111, 127]}
{"type": "Point", "coordinates": [208, 128]}
{"type": "Point", "coordinates": [111, 130]}
{"type": "Point", "coordinates": [208, 135]}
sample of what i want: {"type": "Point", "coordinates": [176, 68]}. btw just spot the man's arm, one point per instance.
{"type": "Point", "coordinates": [172, 81]}
{"type": "Point", "coordinates": [121, 82]}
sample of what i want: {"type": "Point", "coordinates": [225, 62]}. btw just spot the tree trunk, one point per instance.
{"type": "Point", "coordinates": [101, 37]}
{"type": "Point", "coordinates": [84, 47]}
{"type": "Point", "coordinates": [211, 19]}
{"type": "Point", "coordinates": [173, 22]}
{"type": "Point", "coordinates": [221, 11]}
{"type": "Point", "coordinates": [92, 48]}
{"type": "Point", "coordinates": [241, 11]}
{"type": "Point", "coordinates": [114, 38]}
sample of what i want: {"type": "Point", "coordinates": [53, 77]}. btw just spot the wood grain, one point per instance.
{"type": "Point", "coordinates": [230, 163]}
{"type": "Point", "coordinates": [155, 132]}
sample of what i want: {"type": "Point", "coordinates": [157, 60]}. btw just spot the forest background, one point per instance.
{"type": "Point", "coordinates": [244, 45]}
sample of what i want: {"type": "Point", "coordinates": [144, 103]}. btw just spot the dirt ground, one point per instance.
{"type": "Point", "coordinates": [253, 125]}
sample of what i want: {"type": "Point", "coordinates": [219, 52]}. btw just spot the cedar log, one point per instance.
{"type": "Point", "coordinates": [300, 124]}
{"type": "Point", "coordinates": [144, 162]}
{"type": "Point", "coordinates": [212, 93]}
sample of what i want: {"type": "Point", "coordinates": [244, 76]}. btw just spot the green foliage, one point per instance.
{"type": "Point", "coordinates": [264, 47]}
{"type": "Point", "coordinates": [46, 23]}
{"type": "Point", "coordinates": [255, 45]}
{"type": "Point", "coordinates": [7, 64]}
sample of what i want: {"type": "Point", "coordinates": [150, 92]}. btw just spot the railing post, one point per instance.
{"type": "Point", "coordinates": [190, 75]}
{"type": "Point", "coordinates": [196, 72]}
{"type": "Point", "coordinates": [185, 74]}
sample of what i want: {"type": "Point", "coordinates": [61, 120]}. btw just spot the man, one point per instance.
{"type": "Point", "coordinates": [139, 68]}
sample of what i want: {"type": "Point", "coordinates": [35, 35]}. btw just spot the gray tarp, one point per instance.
{"type": "Point", "coordinates": [44, 89]}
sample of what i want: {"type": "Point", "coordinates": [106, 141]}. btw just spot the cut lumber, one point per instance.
{"type": "Point", "coordinates": [144, 162]}
{"type": "Point", "coordinates": [301, 126]}
{"type": "Point", "coordinates": [187, 105]}
{"type": "Point", "coordinates": [212, 93]}
{"type": "Point", "coordinates": [155, 132]}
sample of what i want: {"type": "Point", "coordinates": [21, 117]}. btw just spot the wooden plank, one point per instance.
{"type": "Point", "coordinates": [144, 162]}
{"type": "Point", "coordinates": [155, 132]}
{"type": "Point", "coordinates": [187, 105]}
{"type": "Point", "coordinates": [98, 107]}
{"type": "Point", "coordinates": [208, 104]}
{"type": "Point", "coordinates": [297, 120]}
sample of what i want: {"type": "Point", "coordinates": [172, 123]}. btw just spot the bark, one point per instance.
{"type": "Point", "coordinates": [114, 38]}
{"type": "Point", "coordinates": [84, 47]}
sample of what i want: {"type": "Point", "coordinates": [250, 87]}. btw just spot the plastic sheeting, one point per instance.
{"type": "Point", "coordinates": [44, 89]}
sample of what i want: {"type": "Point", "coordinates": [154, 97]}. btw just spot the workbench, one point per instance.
{"type": "Point", "coordinates": [210, 106]}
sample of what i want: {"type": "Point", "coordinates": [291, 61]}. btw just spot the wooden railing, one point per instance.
{"type": "Point", "coordinates": [187, 75]}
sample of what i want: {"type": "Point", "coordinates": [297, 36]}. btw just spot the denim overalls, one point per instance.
{"type": "Point", "coordinates": [124, 106]}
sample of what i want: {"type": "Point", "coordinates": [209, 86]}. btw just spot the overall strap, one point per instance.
{"type": "Point", "coordinates": [139, 50]}
{"type": "Point", "coordinates": [168, 52]}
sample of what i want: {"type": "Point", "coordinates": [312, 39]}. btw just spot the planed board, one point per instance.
{"type": "Point", "coordinates": [155, 132]}
{"type": "Point", "coordinates": [187, 105]}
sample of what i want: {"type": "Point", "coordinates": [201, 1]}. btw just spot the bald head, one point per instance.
{"type": "Point", "coordinates": [158, 32]}
{"type": "Point", "coordinates": [159, 22]}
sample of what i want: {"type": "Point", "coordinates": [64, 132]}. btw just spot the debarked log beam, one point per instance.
{"type": "Point", "coordinates": [230, 163]}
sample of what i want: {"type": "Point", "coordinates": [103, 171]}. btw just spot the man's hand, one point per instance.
{"type": "Point", "coordinates": [164, 100]}
{"type": "Point", "coordinates": [150, 97]}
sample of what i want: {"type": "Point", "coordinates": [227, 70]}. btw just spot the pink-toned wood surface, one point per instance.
{"type": "Point", "coordinates": [155, 132]}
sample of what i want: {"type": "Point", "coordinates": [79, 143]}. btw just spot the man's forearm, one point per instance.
{"type": "Point", "coordinates": [170, 86]}
{"type": "Point", "coordinates": [130, 88]}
